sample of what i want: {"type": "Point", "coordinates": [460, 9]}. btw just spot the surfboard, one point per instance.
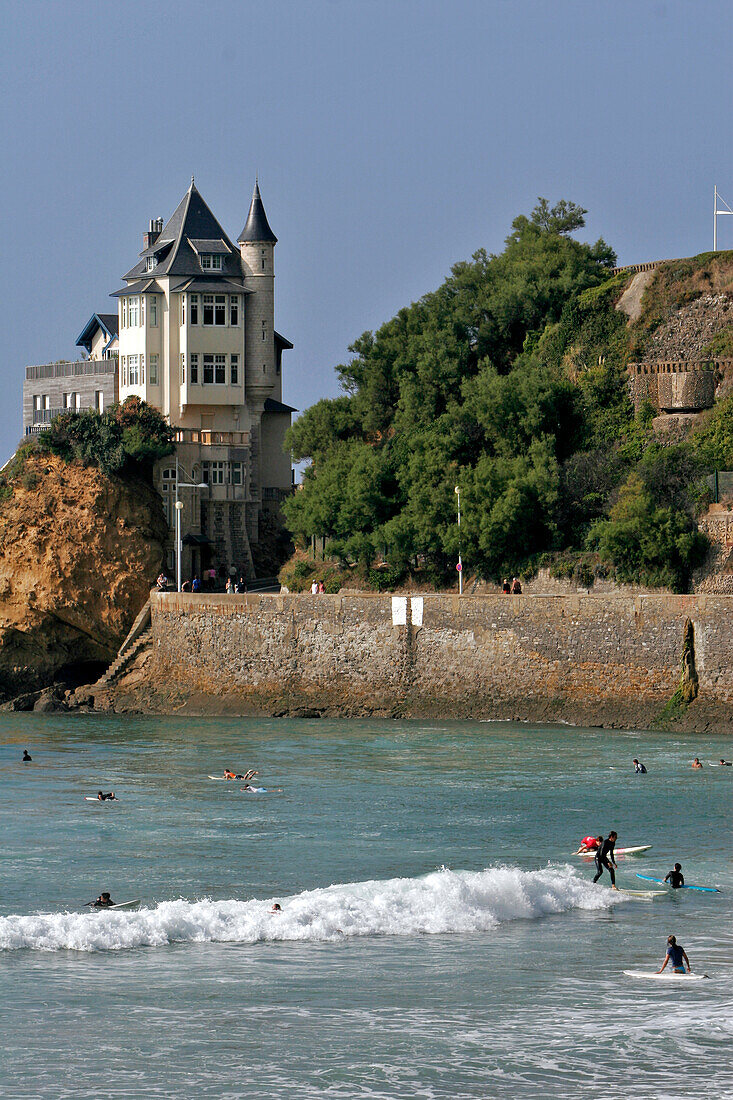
{"type": "Point", "coordinates": [705, 889]}
{"type": "Point", "coordinates": [619, 851]}
{"type": "Point", "coordinates": [646, 895]}
{"type": "Point", "coordinates": [120, 905]}
{"type": "Point", "coordinates": [88, 798]}
{"type": "Point", "coordinates": [666, 976]}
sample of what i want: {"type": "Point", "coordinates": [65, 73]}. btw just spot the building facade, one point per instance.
{"type": "Point", "coordinates": [195, 336]}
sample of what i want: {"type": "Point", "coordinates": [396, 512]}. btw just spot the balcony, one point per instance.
{"type": "Point", "coordinates": [65, 368]}
{"type": "Point", "coordinates": [205, 438]}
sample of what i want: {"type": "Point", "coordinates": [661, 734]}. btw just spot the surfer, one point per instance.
{"type": "Point", "coordinates": [111, 797]}
{"type": "Point", "coordinates": [588, 844]}
{"type": "Point", "coordinates": [605, 858]}
{"type": "Point", "coordinates": [696, 764]}
{"type": "Point", "coordinates": [235, 775]}
{"type": "Point", "coordinates": [276, 908]}
{"type": "Point", "coordinates": [675, 878]}
{"type": "Point", "coordinates": [676, 953]}
{"type": "Point", "coordinates": [639, 768]}
{"type": "Point", "coordinates": [721, 763]}
{"type": "Point", "coordinates": [27, 758]}
{"type": "Point", "coordinates": [104, 901]}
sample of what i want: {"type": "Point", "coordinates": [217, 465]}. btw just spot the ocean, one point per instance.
{"type": "Point", "coordinates": [437, 937]}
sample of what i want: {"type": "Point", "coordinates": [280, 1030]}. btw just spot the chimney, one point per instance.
{"type": "Point", "coordinates": [154, 230]}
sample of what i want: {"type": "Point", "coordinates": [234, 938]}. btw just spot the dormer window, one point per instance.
{"type": "Point", "coordinates": [210, 261]}
{"type": "Point", "coordinates": [151, 263]}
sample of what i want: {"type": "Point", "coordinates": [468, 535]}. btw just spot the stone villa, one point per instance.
{"type": "Point", "coordinates": [194, 336]}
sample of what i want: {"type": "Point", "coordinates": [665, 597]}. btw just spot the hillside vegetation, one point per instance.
{"type": "Point", "coordinates": [509, 382]}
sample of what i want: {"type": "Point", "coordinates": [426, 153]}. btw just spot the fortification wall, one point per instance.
{"type": "Point", "coordinates": [612, 659]}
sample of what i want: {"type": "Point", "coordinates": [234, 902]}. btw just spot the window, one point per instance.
{"type": "Point", "coordinates": [264, 331]}
{"type": "Point", "coordinates": [208, 309]}
{"type": "Point", "coordinates": [193, 309]}
{"type": "Point", "coordinates": [133, 369]}
{"type": "Point", "coordinates": [183, 367]}
{"type": "Point", "coordinates": [124, 312]}
{"type": "Point", "coordinates": [153, 372]}
{"type": "Point", "coordinates": [124, 370]}
{"type": "Point", "coordinates": [263, 259]}
{"type": "Point", "coordinates": [210, 262]}
{"type": "Point", "coordinates": [142, 311]}
{"type": "Point", "coordinates": [183, 309]}
{"type": "Point", "coordinates": [234, 370]}
{"type": "Point", "coordinates": [168, 492]}
{"type": "Point", "coordinates": [236, 473]}
{"type": "Point", "coordinates": [194, 371]}
{"type": "Point", "coordinates": [220, 309]}
{"type": "Point", "coordinates": [153, 311]}
{"type": "Point", "coordinates": [208, 369]}
{"type": "Point", "coordinates": [234, 310]}
{"type": "Point", "coordinates": [220, 369]}
{"type": "Point", "coordinates": [217, 472]}
{"type": "Point", "coordinates": [151, 263]}
{"type": "Point", "coordinates": [142, 370]}
{"type": "Point", "coordinates": [99, 401]}
{"type": "Point", "coordinates": [133, 311]}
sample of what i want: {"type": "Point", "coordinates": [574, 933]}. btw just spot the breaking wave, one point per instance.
{"type": "Point", "coordinates": [441, 902]}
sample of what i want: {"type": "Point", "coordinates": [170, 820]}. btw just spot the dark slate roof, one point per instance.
{"type": "Point", "coordinates": [141, 286]}
{"type": "Point", "coordinates": [210, 246]}
{"type": "Point", "coordinates": [273, 406]}
{"type": "Point", "coordinates": [213, 286]}
{"type": "Point", "coordinates": [106, 321]}
{"type": "Point", "coordinates": [257, 227]}
{"type": "Point", "coordinates": [282, 341]}
{"type": "Point", "coordinates": [191, 221]}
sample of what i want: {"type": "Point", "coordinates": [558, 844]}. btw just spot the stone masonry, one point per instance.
{"type": "Point", "coordinates": [614, 659]}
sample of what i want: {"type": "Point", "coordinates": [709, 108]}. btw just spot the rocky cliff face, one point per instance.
{"type": "Point", "coordinates": [78, 554]}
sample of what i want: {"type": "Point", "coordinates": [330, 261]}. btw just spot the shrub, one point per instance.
{"type": "Point", "coordinates": [126, 438]}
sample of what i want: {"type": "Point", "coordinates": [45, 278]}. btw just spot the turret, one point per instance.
{"type": "Point", "coordinates": [257, 247]}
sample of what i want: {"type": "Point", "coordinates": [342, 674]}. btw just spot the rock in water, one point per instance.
{"type": "Point", "coordinates": [79, 552]}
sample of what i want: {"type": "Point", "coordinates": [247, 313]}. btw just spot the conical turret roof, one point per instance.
{"type": "Point", "coordinates": [257, 227]}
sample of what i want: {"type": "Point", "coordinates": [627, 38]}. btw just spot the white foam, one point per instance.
{"type": "Point", "coordinates": [442, 902]}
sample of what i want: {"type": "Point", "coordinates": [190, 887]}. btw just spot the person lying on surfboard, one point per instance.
{"type": "Point", "coordinates": [675, 878]}
{"type": "Point", "coordinates": [104, 901]}
{"type": "Point", "coordinates": [111, 797]}
{"type": "Point", "coordinates": [677, 954]}
{"type": "Point", "coordinates": [587, 844]}
{"type": "Point", "coordinates": [235, 775]}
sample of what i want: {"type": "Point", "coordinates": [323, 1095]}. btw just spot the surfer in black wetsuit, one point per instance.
{"type": "Point", "coordinates": [675, 878]}
{"type": "Point", "coordinates": [605, 858]}
{"type": "Point", "coordinates": [104, 901]}
{"type": "Point", "coordinates": [27, 758]}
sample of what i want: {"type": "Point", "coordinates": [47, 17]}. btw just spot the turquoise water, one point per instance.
{"type": "Point", "coordinates": [437, 938]}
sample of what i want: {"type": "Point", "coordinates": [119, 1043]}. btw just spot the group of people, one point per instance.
{"type": "Point", "coordinates": [696, 765]}
{"type": "Point", "coordinates": [317, 588]}
{"type": "Point", "coordinates": [513, 588]}
{"type": "Point", "coordinates": [196, 584]}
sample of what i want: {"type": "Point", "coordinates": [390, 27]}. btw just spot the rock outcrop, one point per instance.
{"type": "Point", "coordinates": [78, 554]}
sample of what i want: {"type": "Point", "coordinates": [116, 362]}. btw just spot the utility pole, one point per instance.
{"type": "Point", "coordinates": [459, 567]}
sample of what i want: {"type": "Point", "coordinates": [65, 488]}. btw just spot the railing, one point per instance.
{"type": "Point", "coordinates": [64, 368]}
{"type": "Point", "coordinates": [639, 267]}
{"type": "Point", "coordinates": [45, 416]}
{"type": "Point", "coordinates": [276, 493]}
{"type": "Point", "coordinates": [207, 438]}
{"type": "Point", "coordinates": [721, 482]}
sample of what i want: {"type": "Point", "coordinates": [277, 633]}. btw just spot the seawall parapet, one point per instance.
{"type": "Point", "coordinates": [611, 660]}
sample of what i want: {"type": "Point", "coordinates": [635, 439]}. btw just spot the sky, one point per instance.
{"type": "Point", "coordinates": [392, 139]}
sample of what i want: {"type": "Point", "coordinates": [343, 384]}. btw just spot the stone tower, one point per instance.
{"type": "Point", "coordinates": [257, 246]}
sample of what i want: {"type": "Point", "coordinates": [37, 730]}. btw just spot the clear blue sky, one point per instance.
{"type": "Point", "coordinates": [391, 139]}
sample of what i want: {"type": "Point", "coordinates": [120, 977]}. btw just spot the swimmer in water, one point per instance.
{"type": "Point", "coordinates": [276, 908]}
{"type": "Point", "coordinates": [27, 758]}
{"type": "Point", "coordinates": [696, 764]}
{"type": "Point", "coordinates": [676, 953]}
{"type": "Point", "coordinates": [639, 768]}
{"type": "Point", "coordinates": [675, 878]}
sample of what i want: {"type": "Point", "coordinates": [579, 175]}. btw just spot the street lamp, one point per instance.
{"type": "Point", "coordinates": [459, 567]}
{"type": "Point", "coordinates": [179, 509]}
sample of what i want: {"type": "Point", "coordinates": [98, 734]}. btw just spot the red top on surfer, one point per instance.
{"type": "Point", "coordinates": [589, 844]}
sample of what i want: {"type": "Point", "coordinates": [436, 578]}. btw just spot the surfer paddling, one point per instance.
{"type": "Point", "coordinates": [588, 844]}
{"type": "Point", "coordinates": [235, 775]}
{"type": "Point", "coordinates": [605, 858]}
{"type": "Point", "coordinates": [675, 878]}
{"type": "Point", "coordinates": [678, 957]}
{"type": "Point", "coordinates": [104, 901]}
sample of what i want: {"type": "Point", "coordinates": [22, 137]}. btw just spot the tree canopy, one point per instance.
{"type": "Point", "coordinates": [507, 381]}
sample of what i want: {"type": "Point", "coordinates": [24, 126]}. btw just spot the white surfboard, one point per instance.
{"type": "Point", "coordinates": [126, 904]}
{"type": "Point", "coordinates": [643, 895]}
{"type": "Point", "coordinates": [619, 851]}
{"type": "Point", "coordinates": [88, 798]}
{"type": "Point", "coordinates": [665, 976]}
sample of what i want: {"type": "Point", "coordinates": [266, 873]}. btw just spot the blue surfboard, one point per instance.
{"type": "Point", "coordinates": [705, 889]}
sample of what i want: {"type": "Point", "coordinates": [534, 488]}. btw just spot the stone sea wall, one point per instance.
{"type": "Point", "coordinates": [610, 659]}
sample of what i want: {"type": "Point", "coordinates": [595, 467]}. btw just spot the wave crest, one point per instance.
{"type": "Point", "coordinates": [441, 902]}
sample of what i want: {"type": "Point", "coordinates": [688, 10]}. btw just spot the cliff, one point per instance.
{"type": "Point", "coordinates": [78, 553]}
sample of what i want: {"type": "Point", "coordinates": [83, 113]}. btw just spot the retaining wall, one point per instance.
{"type": "Point", "coordinates": [615, 658]}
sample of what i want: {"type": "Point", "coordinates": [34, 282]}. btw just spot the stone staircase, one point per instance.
{"type": "Point", "coordinates": [137, 638]}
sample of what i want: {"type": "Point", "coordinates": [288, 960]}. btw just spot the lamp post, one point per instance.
{"type": "Point", "coordinates": [459, 567]}
{"type": "Point", "coordinates": [179, 509]}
